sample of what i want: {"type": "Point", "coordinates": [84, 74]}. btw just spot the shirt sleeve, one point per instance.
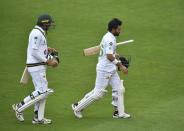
{"type": "Point", "coordinates": [109, 47]}
{"type": "Point", "coordinates": [35, 44]}
{"type": "Point", "coordinates": [37, 54]}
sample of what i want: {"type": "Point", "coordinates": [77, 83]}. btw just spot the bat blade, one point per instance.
{"type": "Point", "coordinates": [91, 51]}
{"type": "Point", "coordinates": [25, 76]}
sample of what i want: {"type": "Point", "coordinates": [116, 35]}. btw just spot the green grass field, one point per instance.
{"type": "Point", "coordinates": [154, 87]}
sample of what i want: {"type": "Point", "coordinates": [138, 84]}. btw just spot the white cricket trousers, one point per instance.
{"type": "Point", "coordinates": [40, 84]}
{"type": "Point", "coordinates": [39, 80]}
{"type": "Point", "coordinates": [103, 79]}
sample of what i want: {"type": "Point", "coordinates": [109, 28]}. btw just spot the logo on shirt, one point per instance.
{"type": "Point", "coordinates": [45, 52]}
{"type": "Point", "coordinates": [110, 43]}
{"type": "Point", "coordinates": [35, 39]}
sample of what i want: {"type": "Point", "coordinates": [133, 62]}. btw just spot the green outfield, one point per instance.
{"type": "Point", "coordinates": [154, 86]}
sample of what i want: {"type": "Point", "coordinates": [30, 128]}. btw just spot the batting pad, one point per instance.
{"type": "Point", "coordinates": [121, 91]}
{"type": "Point", "coordinates": [89, 100]}
{"type": "Point", "coordinates": [41, 109]}
{"type": "Point", "coordinates": [35, 100]}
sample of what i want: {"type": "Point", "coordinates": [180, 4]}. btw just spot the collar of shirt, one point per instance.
{"type": "Point", "coordinates": [112, 36]}
{"type": "Point", "coordinates": [40, 29]}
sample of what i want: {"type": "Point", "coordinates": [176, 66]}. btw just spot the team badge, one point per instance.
{"type": "Point", "coordinates": [35, 39]}
{"type": "Point", "coordinates": [110, 43]}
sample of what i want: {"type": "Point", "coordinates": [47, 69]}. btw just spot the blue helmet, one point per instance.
{"type": "Point", "coordinates": [44, 19]}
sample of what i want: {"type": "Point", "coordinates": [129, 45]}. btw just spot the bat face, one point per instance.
{"type": "Point", "coordinates": [25, 76]}
{"type": "Point", "coordinates": [92, 51]}
{"type": "Point", "coordinates": [96, 49]}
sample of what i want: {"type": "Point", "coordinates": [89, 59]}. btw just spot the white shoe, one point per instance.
{"type": "Point", "coordinates": [19, 115]}
{"type": "Point", "coordinates": [43, 121]}
{"type": "Point", "coordinates": [78, 114]}
{"type": "Point", "coordinates": [124, 115]}
{"type": "Point", "coordinates": [116, 115]}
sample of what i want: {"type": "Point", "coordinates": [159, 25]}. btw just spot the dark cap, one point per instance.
{"type": "Point", "coordinates": [44, 19]}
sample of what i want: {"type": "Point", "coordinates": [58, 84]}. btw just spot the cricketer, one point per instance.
{"type": "Point", "coordinates": [106, 73]}
{"type": "Point", "coordinates": [37, 59]}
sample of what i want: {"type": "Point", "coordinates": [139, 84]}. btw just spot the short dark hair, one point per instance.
{"type": "Point", "coordinates": [114, 23]}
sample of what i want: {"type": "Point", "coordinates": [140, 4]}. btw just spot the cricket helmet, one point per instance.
{"type": "Point", "coordinates": [45, 20]}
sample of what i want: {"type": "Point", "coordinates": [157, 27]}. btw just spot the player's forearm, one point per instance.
{"type": "Point", "coordinates": [119, 64]}
{"type": "Point", "coordinates": [38, 56]}
{"type": "Point", "coordinates": [113, 60]}
{"type": "Point", "coordinates": [110, 57]}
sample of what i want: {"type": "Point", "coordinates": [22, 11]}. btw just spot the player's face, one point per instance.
{"type": "Point", "coordinates": [117, 31]}
{"type": "Point", "coordinates": [51, 26]}
{"type": "Point", "coordinates": [48, 26]}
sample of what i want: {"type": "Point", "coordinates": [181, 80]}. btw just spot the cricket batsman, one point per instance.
{"type": "Point", "coordinates": [37, 60]}
{"type": "Point", "coordinates": [106, 69]}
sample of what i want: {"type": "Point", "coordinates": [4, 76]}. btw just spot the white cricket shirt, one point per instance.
{"type": "Point", "coordinates": [37, 49]}
{"type": "Point", "coordinates": [108, 46]}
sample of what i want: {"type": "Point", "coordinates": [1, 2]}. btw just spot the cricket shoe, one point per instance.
{"type": "Point", "coordinates": [19, 115]}
{"type": "Point", "coordinates": [78, 114]}
{"type": "Point", "coordinates": [124, 115]}
{"type": "Point", "coordinates": [43, 121]}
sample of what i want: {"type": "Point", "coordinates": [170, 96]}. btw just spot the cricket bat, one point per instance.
{"type": "Point", "coordinates": [25, 76]}
{"type": "Point", "coordinates": [96, 49]}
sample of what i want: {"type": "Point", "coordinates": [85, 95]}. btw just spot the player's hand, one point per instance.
{"type": "Point", "coordinates": [52, 50]}
{"type": "Point", "coordinates": [117, 56]}
{"type": "Point", "coordinates": [52, 62]}
{"type": "Point", "coordinates": [123, 69]}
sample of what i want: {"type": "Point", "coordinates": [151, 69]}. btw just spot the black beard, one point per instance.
{"type": "Point", "coordinates": [47, 28]}
{"type": "Point", "coordinates": [116, 34]}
